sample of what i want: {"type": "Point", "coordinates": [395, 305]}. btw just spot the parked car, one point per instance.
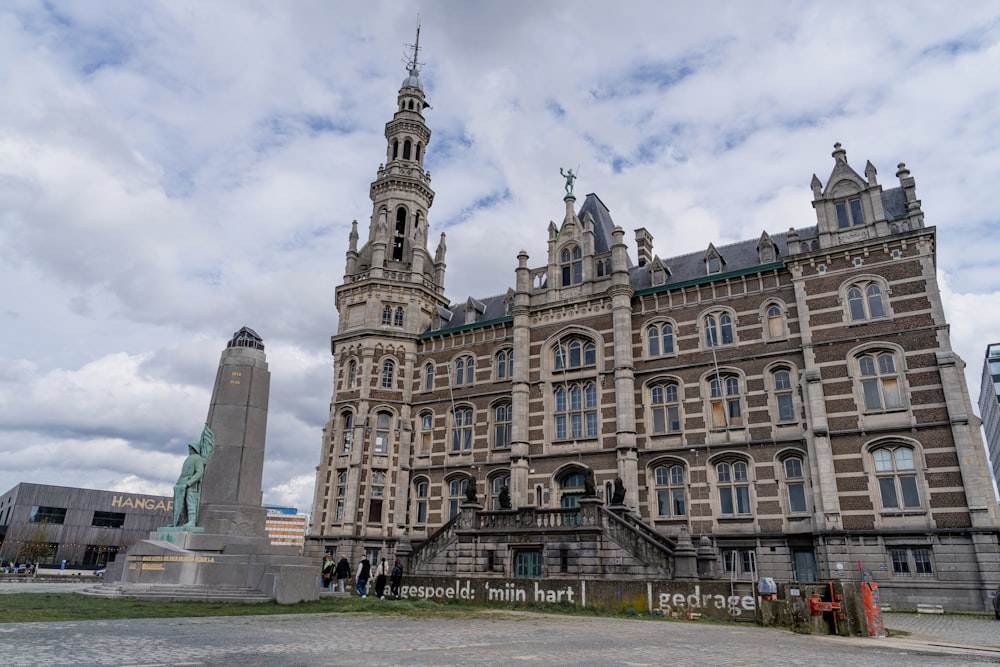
{"type": "Point", "coordinates": [100, 572]}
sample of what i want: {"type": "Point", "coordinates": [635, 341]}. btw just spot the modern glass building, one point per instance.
{"type": "Point", "coordinates": [989, 404]}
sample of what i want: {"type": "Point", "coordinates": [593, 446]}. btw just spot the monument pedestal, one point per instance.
{"type": "Point", "coordinates": [227, 554]}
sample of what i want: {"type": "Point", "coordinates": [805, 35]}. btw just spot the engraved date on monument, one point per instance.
{"type": "Point", "coordinates": [235, 374]}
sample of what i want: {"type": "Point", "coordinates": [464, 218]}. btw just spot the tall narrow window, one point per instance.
{"type": "Point", "coordinates": [429, 376]}
{"type": "Point", "coordinates": [461, 434]}
{"type": "Point", "coordinates": [501, 426]}
{"type": "Point", "coordinates": [897, 478]}
{"type": "Point", "coordinates": [734, 488]}
{"type": "Point", "coordinates": [727, 410]}
{"type": "Point", "coordinates": [795, 483]}
{"type": "Point", "coordinates": [388, 370]}
{"type": "Point", "coordinates": [880, 381]}
{"type": "Point", "coordinates": [456, 494]}
{"type": "Point", "coordinates": [670, 491]}
{"type": "Point", "coordinates": [666, 408]}
{"type": "Point", "coordinates": [377, 493]}
{"type": "Point", "coordinates": [382, 423]}
{"type": "Point", "coordinates": [505, 364]}
{"type": "Point", "coordinates": [387, 315]}
{"type": "Point", "coordinates": [341, 495]}
{"type": "Point", "coordinates": [346, 432]}
{"type": "Point", "coordinates": [783, 396]}
{"type": "Point", "coordinates": [397, 318]}
{"type": "Point", "coordinates": [775, 322]}
{"type": "Point", "coordinates": [426, 432]}
{"type": "Point", "coordinates": [576, 411]}
{"type": "Point", "coordinates": [352, 374]}
{"type": "Point", "coordinates": [422, 492]}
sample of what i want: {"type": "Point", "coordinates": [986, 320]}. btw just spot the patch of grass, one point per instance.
{"type": "Point", "coordinates": [49, 607]}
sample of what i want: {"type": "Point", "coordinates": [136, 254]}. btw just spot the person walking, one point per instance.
{"type": "Point", "coordinates": [362, 577]}
{"type": "Point", "coordinates": [381, 577]}
{"type": "Point", "coordinates": [343, 573]}
{"type": "Point", "coordinates": [328, 567]}
{"type": "Point", "coordinates": [395, 579]}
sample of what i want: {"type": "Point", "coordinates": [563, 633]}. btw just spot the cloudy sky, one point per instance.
{"type": "Point", "coordinates": [172, 171]}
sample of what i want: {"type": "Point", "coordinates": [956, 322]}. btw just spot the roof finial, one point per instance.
{"type": "Point", "coordinates": [413, 63]}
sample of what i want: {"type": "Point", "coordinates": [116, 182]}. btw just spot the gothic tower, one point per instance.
{"type": "Point", "coordinates": [392, 286]}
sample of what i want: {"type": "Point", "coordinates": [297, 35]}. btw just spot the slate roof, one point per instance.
{"type": "Point", "coordinates": [739, 256]}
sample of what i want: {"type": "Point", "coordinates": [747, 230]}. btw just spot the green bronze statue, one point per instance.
{"type": "Point", "coordinates": [570, 177]}
{"type": "Point", "coordinates": [187, 490]}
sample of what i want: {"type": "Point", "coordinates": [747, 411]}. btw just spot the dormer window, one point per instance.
{"type": "Point", "coordinates": [714, 264]}
{"type": "Point", "coordinates": [849, 213]}
{"type": "Point", "coordinates": [571, 264]}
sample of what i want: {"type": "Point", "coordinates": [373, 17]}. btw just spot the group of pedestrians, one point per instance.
{"type": "Point", "coordinates": [382, 573]}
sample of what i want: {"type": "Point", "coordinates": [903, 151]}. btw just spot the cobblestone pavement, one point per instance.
{"type": "Point", "coordinates": [506, 638]}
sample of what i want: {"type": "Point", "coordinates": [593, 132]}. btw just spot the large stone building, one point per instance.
{"type": "Point", "coordinates": [793, 400]}
{"type": "Point", "coordinates": [989, 404]}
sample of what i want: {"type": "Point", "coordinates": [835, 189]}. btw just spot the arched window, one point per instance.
{"type": "Point", "coordinates": [395, 149]}
{"type": "Point", "coordinates": [352, 374]}
{"type": "Point", "coordinates": [429, 376]}
{"type": "Point", "coordinates": [734, 488]}
{"type": "Point", "coordinates": [865, 302]}
{"type": "Point", "coordinates": [795, 485]}
{"type": "Point", "coordinates": [718, 329]}
{"type": "Point", "coordinates": [897, 477]}
{"type": "Point", "coordinates": [461, 432]}
{"type": "Point", "coordinates": [397, 318]}
{"type": "Point", "coordinates": [465, 371]}
{"type": "Point", "coordinates": [417, 156]}
{"type": "Point", "coordinates": [338, 516]}
{"type": "Point", "coordinates": [386, 314]}
{"type": "Point", "coordinates": [880, 382]}
{"type": "Point", "coordinates": [501, 425]}
{"type": "Point", "coordinates": [346, 431]}
{"type": "Point", "coordinates": [575, 353]}
{"type": "Point", "coordinates": [784, 403]}
{"type": "Point", "coordinates": [670, 491]}
{"type": "Point", "coordinates": [406, 149]}
{"type": "Point", "coordinates": [571, 265]}
{"type": "Point", "coordinates": [505, 364]}
{"type": "Point", "coordinates": [456, 494]}
{"type": "Point", "coordinates": [383, 423]}
{"type": "Point", "coordinates": [576, 411]}
{"type": "Point", "coordinates": [727, 409]}
{"type": "Point", "coordinates": [665, 404]}
{"type": "Point", "coordinates": [376, 494]}
{"type": "Point", "coordinates": [660, 339]}
{"type": "Point", "coordinates": [775, 322]}
{"type": "Point", "coordinates": [497, 485]}
{"type": "Point", "coordinates": [388, 370]}
{"type": "Point", "coordinates": [572, 487]}
{"type": "Point", "coordinates": [421, 493]}
{"type": "Point", "coordinates": [426, 433]}
{"type": "Point", "coordinates": [399, 237]}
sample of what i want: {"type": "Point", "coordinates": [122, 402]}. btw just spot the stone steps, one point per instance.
{"type": "Point", "coordinates": [171, 593]}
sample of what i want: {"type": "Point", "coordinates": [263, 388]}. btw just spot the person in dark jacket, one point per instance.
{"type": "Point", "coordinates": [363, 575]}
{"type": "Point", "coordinates": [395, 579]}
{"type": "Point", "coordinates": [381, 577]}
{"type": "Point", "coordinates": [328, 567]}
{"type": "Point", "coordinates": [343, 573]}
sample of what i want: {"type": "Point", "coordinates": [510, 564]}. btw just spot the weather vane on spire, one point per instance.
{"type": "Point", "coordinates": [412, 63]}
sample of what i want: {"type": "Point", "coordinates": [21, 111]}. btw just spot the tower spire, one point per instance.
{"type": "Point", "coordinates": [414, 64]}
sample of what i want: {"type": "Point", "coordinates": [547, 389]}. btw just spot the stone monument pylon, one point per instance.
{"type": "Point", "coordinates": [225, 550]}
